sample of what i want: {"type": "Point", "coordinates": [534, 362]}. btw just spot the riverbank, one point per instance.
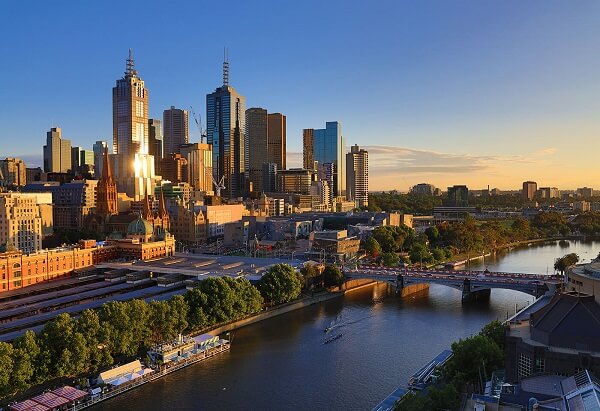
{"type": "Point", "coordinates": [292, 306]}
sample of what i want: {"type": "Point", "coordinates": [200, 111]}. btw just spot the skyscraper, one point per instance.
{"type": "Point", "coordinates": [98, 149]}
{"type": "Point", "coordinates": [199, 165]}
{"type": "Point", "coordinates": [529, 189]}
{"type": "Point", "coordinates": [308, 149]}
{"type": "Point", "coordinates": [175, 123]}
{"type": "Point", "coordinates": [13, 172]}
{"type": "Point", "coordinates": [329, 146]}
{"type": "Point", "coordinates": [357, 176]}
{"type": "Point", "coordinates": [276, 144]}
{"type": "Point", "coordinates": [57, 152]}
{"type": "Point", "coordinates": [133, 166]}
{"type": "Point", "coordinates": [130, 113]}
{"type": "Point", "coordinates": [155, 142]}
{"type": "Point", "coordinates": [225, 114]}
{"type": "Point", "coordinates": [257, 149]}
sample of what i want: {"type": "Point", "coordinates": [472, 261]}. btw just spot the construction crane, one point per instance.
{"type": "Point", "coordinates": [219, 186]}
{"type": "Point", "coordinates": [199, 125]}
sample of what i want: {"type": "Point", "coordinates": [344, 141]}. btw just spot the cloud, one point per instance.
{"type": "Point", "coordinates": [546, 152]}
{"type": "Point", "coordinates": [407, 161]}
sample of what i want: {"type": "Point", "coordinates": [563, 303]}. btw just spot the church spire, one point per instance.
{"type": "Point", "coordinates": [147, 212]}
{"type": "Point", "coordinates": [106, 171]}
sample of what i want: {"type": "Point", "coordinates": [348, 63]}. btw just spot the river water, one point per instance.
{"type": "Point", "coordinates": [282, 363]}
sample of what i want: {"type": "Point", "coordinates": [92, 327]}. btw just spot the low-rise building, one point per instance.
{"type": "Point", "coordinates": [333, 245]}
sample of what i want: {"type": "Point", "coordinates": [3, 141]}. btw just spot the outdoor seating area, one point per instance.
{"type": "Point", "coordinates": [59, 399]}
{"type": "Point", "coordinates": [124, 374]}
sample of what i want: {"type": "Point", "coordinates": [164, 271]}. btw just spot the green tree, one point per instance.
{"type": "Point", "coordinates": [179, 313]}
{"type": "Point", "coordinates": [420, 253]}
{"type": "Point", "coordinates": [372, 247]}
{"type": "Point", "coordinates": [196, 300]}
{"type": "Point", "coordinates": [496, 331]}
{"type": "Point", "coordinates": [390, 259]}
{"type": "Point", "coordinates": [385, 238]}
{"type": "Point", "coordinates": [565, 262]}
{"type": "Point", "coordinates": [472, 356]}
{"type": "Point", "coordinates": [433, 234]}
{"type": "Point", "coordinates": [311, 275]}
{"type": "Point", "coordinates": [25, 360]}
{"type": "Point", "coordinates": [445, 397]}
{"type": "Point", "coordinates": [332, 276]}
{"type": "Point", "coordinates": [438, 254]}
{"type": "Point", "coordinates": [280, 284]}
{"type": "Point", "coordinates": [6, 367]}
{"type": "Point", "coordinates": [414, 402]}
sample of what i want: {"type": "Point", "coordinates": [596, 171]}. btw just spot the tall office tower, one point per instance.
{"type": "Point", "coordinates": [106, 190]}
{"type": "Point", "coordinates": [174, 168]}
{"type": "Point", "coordinates": [199, 165]}
{"type": "Point", "coordinates": [257, 146]}
{"type": "Point", "coordinates": [86, 159]}
{"type": "Point", "coordinates": [98, 149]}
{"type": "Point", "coordinates": [529, 190]}
{"type": "Point", "coordinates": [357, 176]}
{"type": "Point", "coordinates": [329, 147]}
{"type": "Point", "coordinates": [20, 217]}
{"type": "Point", "coordinates": [75, 159]}
{"type": "Point", "coordinates": [57, 152]}
{"type": "Point", "coordinates": [225, 114]}
{"type": "Point", "coordinates": [458, 196]}
{"type": "Point", "coordinates": [308, 149]}
{"type": "Point", "coordinates": [133, 166]}
{"type": "Point", "coordinates": [276, 143]}
{"type": "Point", "coordinates": [175, 123]}
{"type": "Point", "coordinates": [269, 177]}
{"type": "Point", "coordinates": [155, 142]}
{"type": "Point", "coordinates": [13, 172]}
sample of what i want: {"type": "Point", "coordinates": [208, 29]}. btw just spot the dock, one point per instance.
{"type": "Point", "coordinates": [417, 382]}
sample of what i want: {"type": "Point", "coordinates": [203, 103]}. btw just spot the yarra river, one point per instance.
{"type": "Point", "coordinates": [281, 364]}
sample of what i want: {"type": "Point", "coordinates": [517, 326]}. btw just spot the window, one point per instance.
{"type": "Point", "coordinates": [540, 365]}
{"type": "Point", "coordinates": [524, 366]}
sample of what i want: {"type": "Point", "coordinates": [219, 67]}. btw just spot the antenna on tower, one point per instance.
{"type": "Point", "coordinates": [225, 67]}
{"type": "Point", "coordinates": [130, 65]}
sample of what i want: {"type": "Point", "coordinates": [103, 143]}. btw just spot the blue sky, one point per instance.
{"type": "Point", "coordinates": [448, 92]}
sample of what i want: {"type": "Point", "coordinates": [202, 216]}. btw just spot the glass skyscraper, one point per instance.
{"type": "Point", "coordinates": [329, 146]}
{"type": "Point", "coordinates": [225, 128]}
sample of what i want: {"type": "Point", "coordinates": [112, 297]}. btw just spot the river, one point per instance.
{"type": "Point", "coordinates": [282, 364]}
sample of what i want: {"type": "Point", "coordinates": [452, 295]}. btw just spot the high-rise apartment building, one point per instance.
{"type": "Point", "coordinates": [529, 190]}
{"type": "Point", "coordinates": [57, 152]}
{"type": "Point", "coordinates": [585, 192]}
{"type": "Point", "coordinates": [174, 168]}
{"type": "Point", "coordinates": [269, 177]}
{"type": "Point", "coordinates": [20, 222]}
{"type": "Point", "coordinates": [423, 189]}
{"type": "Point", "coordinates": [357, 176]}
{"type": "Point", "coordinates": [75, 157]}
{"type": "Point", "coordinates": [175, 129]}
{"type": "Point", "coordinates": [73, 202]}
{"type": "Point", "coordinates": [226, 118]}
{"type": "Point", "coordinates": [547, 193]}
{"type": "Point", "coordinates": [98, 148]}
{"type": "Point", "coordinates": [13, 171]}
{"type": "Point", "coordinates": [276, 140]}
{"type": "Point", "coordinates": [458, 196]}
{"type": "Point", "coordinates": [132, 164]}
{"type": "Point", "coordinates": [308, 142]}
{"type": "Point", "coordinates": [328, 146]}
{"type": "Point", "coordinates": [199, 165]}
{"type": "Point", "coordinates": [155, 142]}
{"type": "Point", "coordinates": [295, 180]}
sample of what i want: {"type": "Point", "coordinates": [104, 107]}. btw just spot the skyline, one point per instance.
{"type": "Point", "coordinates": [495, 105]}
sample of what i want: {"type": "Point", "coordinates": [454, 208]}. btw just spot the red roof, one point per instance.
{"type": "Point", "coordinates": [70, 393]}
{"type": "Point", "coordinates": [26, 405]}
{"type": "Point", "coordinates": [50, 400]}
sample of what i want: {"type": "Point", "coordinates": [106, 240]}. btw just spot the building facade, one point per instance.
{"type": "Point", "coordinates": [20, 223]}
{"type": "Point", "coordinates": [226, 118]}
{"type": "Point", "coordinates": [199, 158]}
{"type": "Point", "coordinates": [529, 190]}
{"type": "Point", "coordinates": [99, 148]}
{"type": "Point", "coordinates": [57, 152]}
{"type": "Point", "coordinates": [73, 203]}
{"type": "Point", "coordinates": [295, 180]}
{"type": "Point", "coordinates": [458, 196]}
{"type": "Point", "coordinates": [308, 143]}
{"type": "Point", "coordinates": [175, 130]}
{"type": "Point", "coordinates": [13, 172]}
{"type": "Point", "coordinates": [357, 176]}
{"type": "Point", "coordinates": [276, 143]}
{"type": "Point", "coordinates": [257, 136]}
{"type": "Point", "coordinates": [155, 142]}
{"type": "Point", "coordinates": [106, 190]}
{"type": "Point", "coordinates": [329, 146]}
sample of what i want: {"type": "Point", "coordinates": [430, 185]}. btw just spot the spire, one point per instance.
{"type": "Point", "coordinates": [162, 208]}
{"type": "Point", "coordinates": [147, 212]}
{"type": "Point", "coordinates": [130, 65]}
{"type": "Point", "coordinates": [106, 171]}
{"type": "Point", "coordinates": [225, 67]}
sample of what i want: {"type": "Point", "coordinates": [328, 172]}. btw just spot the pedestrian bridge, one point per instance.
{"type": "Point", "coordinates": [470, 283]}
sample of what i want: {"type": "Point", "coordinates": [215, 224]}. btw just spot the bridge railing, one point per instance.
{"type": "Point", "coordinates": [465, 273]}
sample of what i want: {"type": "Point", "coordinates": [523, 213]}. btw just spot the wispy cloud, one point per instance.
{"type": "Point", "coordinates": [548, 151]}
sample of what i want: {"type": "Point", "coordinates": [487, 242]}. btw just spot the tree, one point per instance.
{"type": "Point", "coordinates": [385, 238]}
{"type": "Point", "coordinates": [565, 262]}
{"type": "Point", "coordinates": [496, 331]}
{"type": "Point", "coordinates": [6, 366]}
{"type": "Point", "coordinates": [280, 284]}
{"type": "Point", "coordinates": [471, 356]}
{"type": "Point", "coordinates": [196, 300]}
{"type": "Point", "coordinates": [438, 254]}
{"type": "Point", "coordinates": [390, 259]}
{"type": "Point", "coordinates": [419, 253]}
{"type": "Point", "coordinates": [433, 234]}
{"type": "Point", "coordinates": [372, 247]}
{"type": "Point", "coordinates": [311, 274]}
{"type": "Point", "coordinates": [332, 276]}
{"type": "Point", "coordinates": [25, 360]}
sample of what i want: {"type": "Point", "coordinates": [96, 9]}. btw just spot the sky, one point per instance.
{"type": "Point", "coordinates": [445, 92]}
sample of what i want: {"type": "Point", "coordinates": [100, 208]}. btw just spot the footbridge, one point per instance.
{"type": "Point", "coordinates": [472, 284]}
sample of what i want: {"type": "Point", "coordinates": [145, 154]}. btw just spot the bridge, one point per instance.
{"type": "Point", "coordinates": [471, 283]}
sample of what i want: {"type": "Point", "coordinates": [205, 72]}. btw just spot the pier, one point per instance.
{"type": "Point", "coordinates": [417, 382]}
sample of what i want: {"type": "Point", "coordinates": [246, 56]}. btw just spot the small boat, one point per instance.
{"type": "Point", "coordinates": [332, 339]}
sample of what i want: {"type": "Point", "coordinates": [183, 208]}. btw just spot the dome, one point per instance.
{"type": "Point", "coordinates": [139, 227]}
